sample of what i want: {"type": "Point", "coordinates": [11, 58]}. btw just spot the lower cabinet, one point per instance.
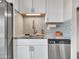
{"type": "Point", "coordinates": [31, 52]}
{"type": "Point", "coordinates": [40, 52]}
{"type": "Point", "coordinates": [22, 52]}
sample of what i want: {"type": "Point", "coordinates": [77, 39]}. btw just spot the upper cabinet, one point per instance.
{"type": "Point", "coordinates": [10, 1]}
{"type": "Point", "coordinates": [25, 6]}
{"type": "Point", "coordinates": [31, 6]}
{"type": "Point", "coordinates": [67, 12]}
{"type": "Point", "coordinates": [54, 10]}
{"type": "Point", "coordinates": [30, 49]}
{"type": "Point", "coordinates": [39, 6]}
{"type": "Point", "coordinates": [16, 4]}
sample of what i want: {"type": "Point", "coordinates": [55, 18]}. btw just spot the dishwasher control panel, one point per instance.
{"type": "Point", "coordinates": [59, 41]}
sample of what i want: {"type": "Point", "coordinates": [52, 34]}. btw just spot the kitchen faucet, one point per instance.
{"type": "Point", "coordinates": [33, 27]}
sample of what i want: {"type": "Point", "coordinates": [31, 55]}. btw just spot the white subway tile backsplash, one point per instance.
{"type": "Point", "coordinates": [65, 28]}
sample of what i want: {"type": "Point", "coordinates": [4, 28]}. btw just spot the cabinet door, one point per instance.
{"type": "Point", "coordinates": [10, 1]}
{"type": "Point", "coordinates": [23, 5]}
{"type": "Point", "coordinates": [28, 6]}
{"type": "Point", "coordinates": [55, 10]}
{"type": "Point", "coordinates": [22, 52]}
{"type": "Point", "coordinates": [39, 6]}
{"type": "Point", "coordinates": [41, 52]}
{"type": "Point", "coordinates": [67, 10]}
{"type": "Point", "coordinates": [16, 4]}
{"type": "Point", "coordinates": [31, 52]}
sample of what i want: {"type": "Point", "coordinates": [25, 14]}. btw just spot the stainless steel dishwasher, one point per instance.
{"type": "Point", "coordinates": [59, 49]}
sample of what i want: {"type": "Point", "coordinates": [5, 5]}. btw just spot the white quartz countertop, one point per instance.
{"type": "Point", "coordinates": [31, 41]}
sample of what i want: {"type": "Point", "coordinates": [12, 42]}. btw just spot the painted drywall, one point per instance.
{"type": "Point", "coordinates": [74, 31]}
{"type": "Point", "coordinates": [18, 24]}
{"type": "Point", "coordinates": [67, 13]}
{"type": "Point", "coordinates": [28, 24]}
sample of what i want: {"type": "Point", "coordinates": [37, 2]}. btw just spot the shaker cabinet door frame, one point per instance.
{"type": "Point", "coordinates": [39, 6]}
{"type": "Point", "coordinates": [22, 52]}
{"type": "Point", "coordinates": [55, 10]}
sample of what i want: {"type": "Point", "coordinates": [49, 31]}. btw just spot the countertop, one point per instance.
{"type": "Point", "coordinates": [28, 37]}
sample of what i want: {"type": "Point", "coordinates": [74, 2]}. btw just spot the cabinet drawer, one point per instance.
{"type": "Point", "coordinates": [31, 41]}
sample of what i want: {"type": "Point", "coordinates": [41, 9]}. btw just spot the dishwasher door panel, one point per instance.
{"type": "Point", "coordinates": [59, 49]}
{"type": "Point", "coordinates": [53, 51]}
{"type": "Point", "coordinates": [65, 51]}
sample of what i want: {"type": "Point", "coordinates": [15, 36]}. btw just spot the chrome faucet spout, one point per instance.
{"type": "Point", "coordinates": [33, 27]}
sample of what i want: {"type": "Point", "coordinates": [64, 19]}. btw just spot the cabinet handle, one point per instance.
{"type": "Point", "coordinates": [31, 49]}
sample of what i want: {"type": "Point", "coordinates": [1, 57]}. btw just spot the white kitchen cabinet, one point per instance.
{"type": "Point", "coordinates": [40, 52]}
{"type": "Point", "coordinates": [10, 1]}
{"type": "Point", "coordinates": [30, 48]}
{"type": "Point", "coordinates": [67, 10]}
{"type": "Point", "coordinates": [22, 52]}
{"type": "Point", "coordinates": [16, 4]}
{"type": "Point", "coordinates": [55, 10]}
{"type": "Point", "coordinates": [25, 6]}
{"type": "Point", "coordinates": [29, 6]}
{"type": "Point", "coordinates": [39, 6]}
{"type": "Point", "coordinates": [28, 52]}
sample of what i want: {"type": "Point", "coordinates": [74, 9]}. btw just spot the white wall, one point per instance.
{"type": "Point", "coordinates": [67, 11]}
{"type": "Point", "coordinates": [74, 31]}
{"type": "Point", "coordinates": [18, 24]}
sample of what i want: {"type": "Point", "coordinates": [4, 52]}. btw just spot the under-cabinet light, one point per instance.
{"type": "Point", "coordinates": [33, 14]}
